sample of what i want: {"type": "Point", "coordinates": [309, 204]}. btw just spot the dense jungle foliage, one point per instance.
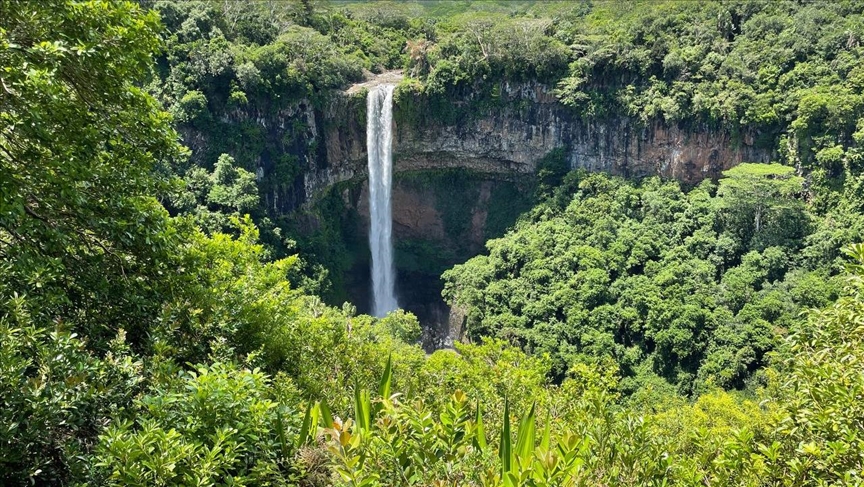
{"type": "Point", "coordinates": [694, 287]}
{"type": "Point", "coordinates": [157, 328]}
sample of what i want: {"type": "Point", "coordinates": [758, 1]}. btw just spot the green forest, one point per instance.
{"type": "Point", "coordinates": [173, 315]}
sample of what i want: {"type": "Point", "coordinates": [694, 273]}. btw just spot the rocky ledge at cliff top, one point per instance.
{"type": "Point", "coordinates": [372, 80]}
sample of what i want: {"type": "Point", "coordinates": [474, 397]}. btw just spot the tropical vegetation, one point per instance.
{"type": "Point", "coordinates": [161, 319]}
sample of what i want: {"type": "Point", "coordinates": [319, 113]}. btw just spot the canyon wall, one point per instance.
{"type": "Point", "coordinates": [440, 219]}
{"type": "Point", "coordinates": [303, 149]}
{"type": "Point", "coordinates": [528, 123]}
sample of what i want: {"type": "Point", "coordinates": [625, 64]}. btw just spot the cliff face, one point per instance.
{"type": "Point", "coordinates": [510, 138]}
{"type": "Point", "coordinates": [278, 145]}
{"type": "Point", "coordinates": [299, 151]}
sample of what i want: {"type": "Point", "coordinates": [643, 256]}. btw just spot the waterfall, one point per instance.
{"type": "Point", "coordinates": [379, 142]}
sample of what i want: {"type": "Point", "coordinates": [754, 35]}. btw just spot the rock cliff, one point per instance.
{"type": "Point", "coordinates": [510, 138]}
{"type": "Point", "coordinates": [302, 150]}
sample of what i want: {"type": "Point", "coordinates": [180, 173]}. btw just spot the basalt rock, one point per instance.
{"type": "Point", "coordinates": [528, 123]}
{"type": "Point", "coordinates": [328, 143]}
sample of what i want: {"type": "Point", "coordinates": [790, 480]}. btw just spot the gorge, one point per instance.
{"type": "Point", "coordinates": [458, 179]}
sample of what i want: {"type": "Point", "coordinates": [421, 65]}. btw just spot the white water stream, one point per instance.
{"type": "Point", "coordinates": [379, 143]}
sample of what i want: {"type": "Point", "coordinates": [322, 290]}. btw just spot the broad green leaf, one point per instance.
{"type": "Point", "coordinates": [362, 408]}
{"type": "Point", "coordinates": [326, 415]}
{"type": "Point", "coordinates": [386, 379]}
{"type": "Point", "coordinates": [547, 432]}
{"type": "Point", "coordinates": [307, 425]}
{"type": "Point", "coordinates": [526, 436]}
{"type": "Point", "coordinates": [480, 431]}
{"type": "Point", "coordinates": [505, 448]}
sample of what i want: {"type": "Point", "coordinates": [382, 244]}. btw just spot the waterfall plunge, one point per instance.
{"type": "Point", "coordinates": [379, 142]}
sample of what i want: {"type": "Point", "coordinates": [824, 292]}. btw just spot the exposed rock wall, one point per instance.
{"type": "Point", "coordinates": [529, 123]}
{"type": "Point", "coordinates": [279, 146]}
{"type": "Point", "coordinates": [426, 243]}
{"type": "Point", "coordinates": [329, 144]}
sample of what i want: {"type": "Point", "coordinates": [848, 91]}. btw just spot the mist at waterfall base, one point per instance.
{"type": "Point", "coordinates": [379, 144]}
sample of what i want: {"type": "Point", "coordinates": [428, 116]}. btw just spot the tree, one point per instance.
{"type": "Point", "coordinates": [55, 397]}
{"type": "Point", "coordinates": [213, 199]}
{"type": "Point", "coordinates": [820, 387]}
{"type": "Point", "coordinates": [232, 187]}
{"type": "Point", "coordinates": [79, 141]}
{"type": "Point", "coordinates": [760, 192]}
{"type": "Point", "coordinates": [418, 51]}
{"type": "Point", "coordinates": [641, 274]}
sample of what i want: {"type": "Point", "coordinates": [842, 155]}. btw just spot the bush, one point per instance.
{"type": "Point", "coordinates": [216, 424]}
